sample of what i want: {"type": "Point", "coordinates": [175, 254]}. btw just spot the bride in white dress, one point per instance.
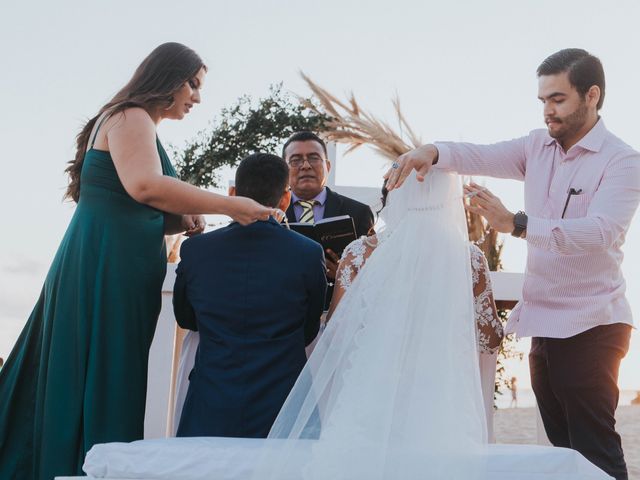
{"type": "Point", "coordinates": [392, 389]}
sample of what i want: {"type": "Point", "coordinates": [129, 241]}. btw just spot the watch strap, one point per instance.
{"type": "Point", "coordinates": [519, 224]}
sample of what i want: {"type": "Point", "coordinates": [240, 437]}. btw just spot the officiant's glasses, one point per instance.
{"type": "Point", "coordinates": [296, 161]}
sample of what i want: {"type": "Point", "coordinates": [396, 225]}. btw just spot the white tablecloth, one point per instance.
{"type": "Point", "coordinates": [233, 459]}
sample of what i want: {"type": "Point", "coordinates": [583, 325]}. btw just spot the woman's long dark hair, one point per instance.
{"type": "Point", "coordinates": [153, 85]}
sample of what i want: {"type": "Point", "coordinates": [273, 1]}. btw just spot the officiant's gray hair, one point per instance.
{"type": "Point", "coordinates": [262, 177]}
{"type": "Point", "coordinates": [304, 136]}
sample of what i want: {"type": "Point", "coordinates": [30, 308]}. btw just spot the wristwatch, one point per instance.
{"type": "Point", "coordinates": [519, 224]}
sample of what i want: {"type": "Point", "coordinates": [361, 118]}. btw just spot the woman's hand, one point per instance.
{"type": "Point", "coordinates": [193, 224]}
{"type": "Point", "coordinates": [246, 211]}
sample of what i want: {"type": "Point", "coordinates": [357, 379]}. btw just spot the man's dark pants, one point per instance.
{"type": "Point", "coordinates": [575, 383]}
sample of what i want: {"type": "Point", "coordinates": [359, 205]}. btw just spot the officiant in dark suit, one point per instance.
{"type": "Point", "coordinates": [255, 294]}
{"type": "Point", "coordinates": [312, 200]}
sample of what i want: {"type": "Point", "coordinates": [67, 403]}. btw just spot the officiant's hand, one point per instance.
{"type": "Point", "coordinates": [332, 260]}
{"type": "Point", "coordinates": [481, 201]}
{"type": "Point", "coordinates": [421, 159]}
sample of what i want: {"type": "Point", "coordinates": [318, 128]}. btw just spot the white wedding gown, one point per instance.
{"type": "Point", "coordinates": [392, 389]}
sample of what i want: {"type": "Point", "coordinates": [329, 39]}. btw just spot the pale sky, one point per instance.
{"type": "Point", "coordinates": [463, 71]}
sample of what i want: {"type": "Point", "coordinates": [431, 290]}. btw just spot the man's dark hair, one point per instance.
{"type": "Point", "coordinates": [262, 177]}
{"type": "Point", "coordinates": [584, 69]}
{"type": "Point", "coordinates": [304, 136]}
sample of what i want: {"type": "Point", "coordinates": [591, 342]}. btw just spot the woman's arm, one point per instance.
{"type": "Point", "coordinates": [352, 261]}
{"type": "Point", "coordinates": [489, 327]}
{"type": "Point", "coordinates": [131, 138]}
{"type": "Point", "coordinates": [344, 276]}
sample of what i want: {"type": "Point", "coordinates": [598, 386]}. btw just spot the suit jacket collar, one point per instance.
{"type": "Point", "coordinates": [291, 215]}
{"type": "Point", "coordinates": [333, 204]}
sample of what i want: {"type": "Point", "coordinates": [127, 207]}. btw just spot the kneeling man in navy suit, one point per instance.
{"type": "Point", "coordinates": [255, 294]}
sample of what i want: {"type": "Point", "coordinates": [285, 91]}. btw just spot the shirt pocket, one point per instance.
{"type": "Point", "coordinates": [578, 205]}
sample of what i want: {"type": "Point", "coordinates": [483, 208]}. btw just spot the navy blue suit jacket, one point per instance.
{"type": "Point", "coordinates": [255, 294]}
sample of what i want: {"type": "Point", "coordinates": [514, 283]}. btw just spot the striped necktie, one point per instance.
{"type": "Point", "coordinates": [307, 211]}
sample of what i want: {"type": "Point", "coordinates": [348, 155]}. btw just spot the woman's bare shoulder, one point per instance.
{"type": "Point", "coordinates": [134, 117]}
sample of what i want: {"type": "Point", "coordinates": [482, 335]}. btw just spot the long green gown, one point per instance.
{"type": "Point", "coordinates": [77, 375]}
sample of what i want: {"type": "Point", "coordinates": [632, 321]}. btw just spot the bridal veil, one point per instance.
{"type": "Point", "coordinates": [392, 389]}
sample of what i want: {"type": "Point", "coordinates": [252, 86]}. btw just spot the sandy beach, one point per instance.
{"type": "Point", "coordinates": [518, 425]}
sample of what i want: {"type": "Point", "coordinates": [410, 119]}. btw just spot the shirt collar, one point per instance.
{"type": "Point", "coordinates": [592, 141]}
{"type": "Point", "coordinates": [320, 198]}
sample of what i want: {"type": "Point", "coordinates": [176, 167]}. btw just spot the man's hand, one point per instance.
{"type": "Point", "coordinates": [332, 261]}
{"type": "Point", "coordinates": [419, 159]}
{"type": "Point", "coordinates": [483, 202]}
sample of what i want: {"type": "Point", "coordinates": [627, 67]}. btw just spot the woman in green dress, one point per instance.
{"type": "Point", "coordinates": [77, 374]}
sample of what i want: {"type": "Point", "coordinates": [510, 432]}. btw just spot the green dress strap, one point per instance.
{"type": "Point", "coordinates": [95, 134]}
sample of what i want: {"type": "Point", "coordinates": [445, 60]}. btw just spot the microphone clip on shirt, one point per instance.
{"type": "Point", "coordinates": [570, 192]}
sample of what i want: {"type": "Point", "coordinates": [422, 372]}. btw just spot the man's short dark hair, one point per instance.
{"type": "Point", "coordinates": [584, 69]}
{"type": "Point", "coordinates": [304, 136]}
{"type": "Point", "coordinates": [262, 177]}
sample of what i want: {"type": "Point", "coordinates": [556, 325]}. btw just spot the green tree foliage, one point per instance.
{"type": "Point", "coordinates": [246, 127]}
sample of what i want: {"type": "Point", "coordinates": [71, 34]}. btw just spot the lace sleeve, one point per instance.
{"type": "Point", "coordinates": [350, 264]}
{"type": "Point", "coordinates": [352, 260]}
{"type": "Point", "coordinates": [489, 327]}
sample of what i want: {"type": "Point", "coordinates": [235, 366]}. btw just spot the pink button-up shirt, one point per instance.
{"type": "Point", "coordinates": [573, 281]}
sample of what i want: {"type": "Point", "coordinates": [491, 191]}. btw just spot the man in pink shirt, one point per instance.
{"type": "Point", "coordinates": [582, 188]}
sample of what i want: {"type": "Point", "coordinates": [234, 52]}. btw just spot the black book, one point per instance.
{"type": "Point", "coordinates": [333, 233]}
